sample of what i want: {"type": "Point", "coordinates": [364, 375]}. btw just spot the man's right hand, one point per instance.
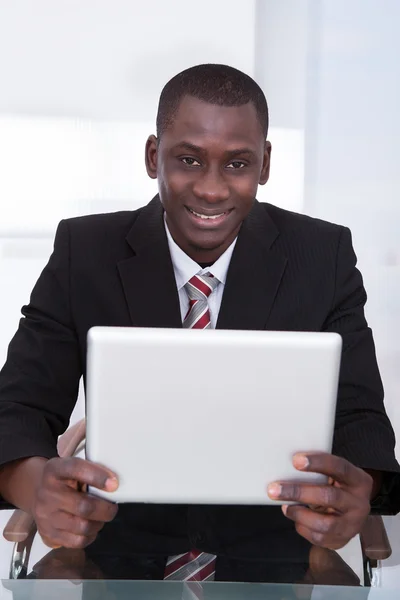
{"type": "Point", "coordinates": [65, 515]}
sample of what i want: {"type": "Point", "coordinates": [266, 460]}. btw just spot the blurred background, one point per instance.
{"type": "Point", "coordinates": [80, 82]}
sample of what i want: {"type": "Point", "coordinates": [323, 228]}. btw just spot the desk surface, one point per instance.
{"type": "Point", "coordinates": [65, 573]}
{"type": "Point", "coordinates": [138, 590]}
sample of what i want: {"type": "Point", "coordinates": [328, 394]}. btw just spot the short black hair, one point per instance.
{"type": "Point", "coordinates": [213, 83]}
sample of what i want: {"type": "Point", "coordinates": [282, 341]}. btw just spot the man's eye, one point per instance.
{"type": "Point", "coordinates": [190, 162]}
{"type": "Point", "coordinates": [236, 164]}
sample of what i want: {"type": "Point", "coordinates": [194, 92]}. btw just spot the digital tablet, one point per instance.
{"type": "Point", "coordinates": [207, 416]}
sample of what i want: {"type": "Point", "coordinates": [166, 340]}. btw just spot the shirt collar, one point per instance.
{"type": "Point", "coordinates": [185, 267]}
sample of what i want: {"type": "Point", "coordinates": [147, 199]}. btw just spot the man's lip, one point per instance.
{"type": "Point", "coordinates": [209, 213]}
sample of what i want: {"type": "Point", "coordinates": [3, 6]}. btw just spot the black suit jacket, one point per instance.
{"type": "Point", "coordinates": [288, 272]}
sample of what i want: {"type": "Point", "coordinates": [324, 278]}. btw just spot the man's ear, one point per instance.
{"type": "Point", "coordinates": [266, 164]}
{"type": "Point", "coordinates": [151, 157]}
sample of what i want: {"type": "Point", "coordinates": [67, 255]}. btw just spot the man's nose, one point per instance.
{"type": "Point", "coordinates": [211, 187]}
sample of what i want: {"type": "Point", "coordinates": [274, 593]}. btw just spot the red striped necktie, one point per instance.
{"type": "Point", "coordinates": [195, 566]}
{"type": "Point", "coordinates": [191, 566]}
{"type": "Point", "coordinates": [198, 289]}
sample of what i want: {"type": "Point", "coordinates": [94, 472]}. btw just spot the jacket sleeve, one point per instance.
{"type": "Point", "coordinates": [363, 433]}
{"type": "Point", "coordinates": [39, 381]}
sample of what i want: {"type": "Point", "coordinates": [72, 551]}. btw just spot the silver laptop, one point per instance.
{"type": "Point", "coordinates": [207, 417]}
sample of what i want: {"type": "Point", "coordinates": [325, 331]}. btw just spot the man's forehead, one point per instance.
{"type": "Point", "coordinates": [195, 117]}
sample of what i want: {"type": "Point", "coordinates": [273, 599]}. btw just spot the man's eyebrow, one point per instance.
{"type": "Point", "coordinates": [197, 149]}
{"type": "Point", "coordinates": [190, 147]}
{"type": "Point", "coordinates": [241, 151]}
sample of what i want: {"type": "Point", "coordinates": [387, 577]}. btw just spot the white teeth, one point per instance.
{"type": "Point", "coordinates": [205, 216]}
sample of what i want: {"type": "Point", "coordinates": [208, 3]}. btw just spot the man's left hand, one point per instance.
{"type": "Point", "coordinates": [327, 515]}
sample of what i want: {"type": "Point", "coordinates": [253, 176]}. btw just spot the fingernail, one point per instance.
{"type": "Point", "coordinates": [111, 484]}
{"type": "Point", "coordinates": [300, 461]}
{"type": "Point", "coordinates": [284, 509]}
{"type": "Point", "coordinates": [274, 490]}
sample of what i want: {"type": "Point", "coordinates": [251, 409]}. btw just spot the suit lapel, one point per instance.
{"type": "Point", "coordinates": [148, 276]}
{"type": "Point", "coordinates": [254, 275]}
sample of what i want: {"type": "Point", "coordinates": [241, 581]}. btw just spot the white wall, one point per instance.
{"type": "Point", "coordinates": [108, 59]}
{"type": "Point", "coordinates": [352, 165]}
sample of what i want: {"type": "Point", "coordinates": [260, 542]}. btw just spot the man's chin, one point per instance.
{"type": "Point", "coordinates": [206, 245]}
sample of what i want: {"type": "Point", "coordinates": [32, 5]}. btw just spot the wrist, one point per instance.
{"type": "Point", "coordinates": [20, 481]}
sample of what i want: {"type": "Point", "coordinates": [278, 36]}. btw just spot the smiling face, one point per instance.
{"type": "Point", "coordinates": [209, 163]}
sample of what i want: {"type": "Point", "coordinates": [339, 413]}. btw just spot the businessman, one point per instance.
{"type": "Point", "coordinates": [256, 267]}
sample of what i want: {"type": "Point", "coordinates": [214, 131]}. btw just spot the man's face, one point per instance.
{"type": "Point", "coordinates": [208, 163]}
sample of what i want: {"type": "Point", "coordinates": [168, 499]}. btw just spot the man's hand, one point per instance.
{"type": "Point", "coordinates": [326, 515]}
{"type": "Point", "coordinates": [66, 516]}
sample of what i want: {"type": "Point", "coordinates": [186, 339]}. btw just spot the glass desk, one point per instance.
{"type": "Point", "coordinates": [317, 573]}
{"type": "Point", "coordinates": [322, 567]}
{"type": "Point", "coordinates": [139, 590]}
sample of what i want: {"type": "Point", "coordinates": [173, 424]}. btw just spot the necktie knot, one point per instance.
{"type": "Point", "coordinates": [199, 287]}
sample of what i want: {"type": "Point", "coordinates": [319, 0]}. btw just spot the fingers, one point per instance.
{"type": "Point", "coordinates": [354, 484]}
{"type": "Point", "coordinates": [335, 467]}
{"type": "Point", "coordinates": [66, 516]}
{"type": "Point", "coordinates": [76, 503]}
{"type": "Point", "coordinates": [74, 520]}
{"type": "Point", "coordinates": [74, 529]}
{"type": "Point", "coordinates": [82, 471]}
{"type": "Point", "coordinates": [65, 539]}
{"type": "Point", "coordinates": [321, 540]}
{"type": "Point", "coordinates": [326, 496]}
{"type": "Point", "coordinates": [77, 525]}
{"type": "Point", "coordinates": [89, 507]}
{"type": "Point", "coordinates": [306, 517]}
{"type": "Point", "coordinates": [318, 528]}
{"type": "Point", "coordinates": [327, 530]}
{"type": "Point", "coordinates": [326, 515]}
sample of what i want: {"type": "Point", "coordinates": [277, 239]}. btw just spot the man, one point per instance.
{"type": "Point", "coordinates": [273, 270]}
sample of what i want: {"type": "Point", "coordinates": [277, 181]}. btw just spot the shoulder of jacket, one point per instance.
{"type": "Point", "coordinates": [291, 222]}
{"type": "Point", "coordinates": [102, 223]}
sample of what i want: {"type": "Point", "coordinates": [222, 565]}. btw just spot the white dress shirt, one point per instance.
{"type": "Point", "coordinates": [185, 268]}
